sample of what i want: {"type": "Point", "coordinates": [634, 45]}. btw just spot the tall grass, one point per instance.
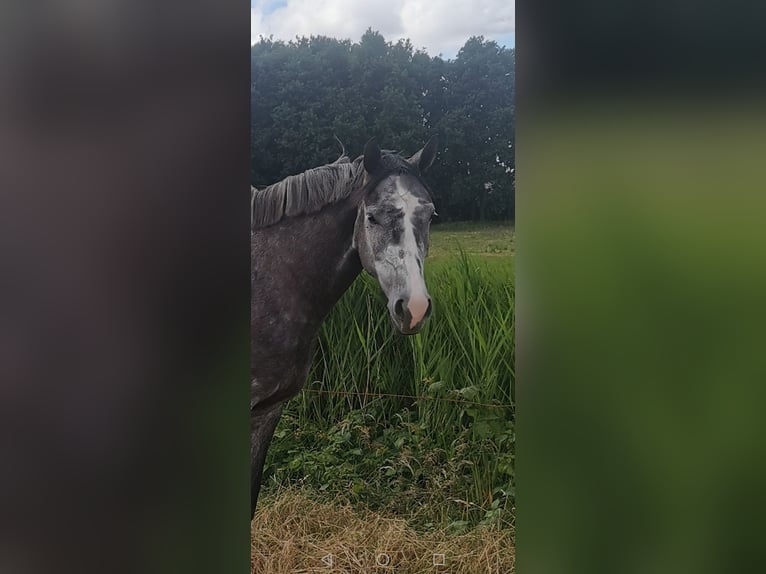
{"type": "Point", "coordinates": [465, 351]}
{"type": "Point", "coordinates": [412, 419]}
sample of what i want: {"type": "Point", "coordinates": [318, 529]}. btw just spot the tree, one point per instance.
{"type": "Point", "coordinates": [478, 127]}
{"type": "Point", "coordinates": [305, 91]}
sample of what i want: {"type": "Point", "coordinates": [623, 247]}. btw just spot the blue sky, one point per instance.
{"type": "Point", "coordinates": [438, 26]}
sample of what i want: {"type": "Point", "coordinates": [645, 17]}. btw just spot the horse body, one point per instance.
{"type": "Point", "coordinates": [306, 253]}
{"type": "Point", "coordinates": [299, 271]}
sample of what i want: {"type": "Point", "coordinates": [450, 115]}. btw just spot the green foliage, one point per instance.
{"type": "Point", "coordinates": [419, 426]}
{"type": "Point", "coordinates": [305, 91]}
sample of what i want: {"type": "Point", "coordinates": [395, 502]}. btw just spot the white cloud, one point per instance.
{"type": "Point", "coordinates": [439, 26]}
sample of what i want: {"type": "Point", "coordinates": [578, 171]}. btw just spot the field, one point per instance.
{"type": "Point", "coordinates": [486, 240]}
{"type": "Point", "coordinates": [403, 445]}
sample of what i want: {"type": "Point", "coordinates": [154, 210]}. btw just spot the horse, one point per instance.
{"type": "Point", "coordinates": [311, 235]}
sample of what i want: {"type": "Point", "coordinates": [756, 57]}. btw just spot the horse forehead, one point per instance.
{"type": "Point", "coordinates": [400, 195]}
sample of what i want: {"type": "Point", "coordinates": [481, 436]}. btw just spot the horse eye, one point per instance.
{"type": "Point", "coordinates": [371, 218]}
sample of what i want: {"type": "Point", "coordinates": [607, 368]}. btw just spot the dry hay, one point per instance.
{"type": "Point", "coordinates": [292, 533]}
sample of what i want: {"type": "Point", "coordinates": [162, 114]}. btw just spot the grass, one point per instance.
{"type": "Point", "coordinates": [475, 239]}
{"type": "Point", "coordinates": [416, 432]}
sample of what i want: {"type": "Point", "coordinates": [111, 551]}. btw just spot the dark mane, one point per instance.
{"type": "Point", "coordinates": [315, 188]}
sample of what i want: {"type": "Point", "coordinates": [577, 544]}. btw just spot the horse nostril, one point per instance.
{"type": "Point", "coordinates": [428, 311]}
{"type": "Point", "coordinates": [399, 308]}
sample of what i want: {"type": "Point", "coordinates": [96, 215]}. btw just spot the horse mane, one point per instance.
{"type": "Point", "coordinates": [310, 191]}
{"type": "Point", "coordinates": [306, 192]}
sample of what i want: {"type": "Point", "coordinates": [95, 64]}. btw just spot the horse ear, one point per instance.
{"type": "Point", "coordinates": [425, 157]}
{"type": "Point", "coordinates": [371, 156]}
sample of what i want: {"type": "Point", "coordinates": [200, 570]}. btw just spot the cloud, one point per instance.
{"type": "Point", "coordinates": [439, 26]}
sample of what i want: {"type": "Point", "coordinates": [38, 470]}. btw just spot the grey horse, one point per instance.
{"type": "Point", "coordinates": [311, 236]}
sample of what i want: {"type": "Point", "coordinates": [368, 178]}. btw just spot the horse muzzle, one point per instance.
{"type": "Point", "coordinates": [409, 314]}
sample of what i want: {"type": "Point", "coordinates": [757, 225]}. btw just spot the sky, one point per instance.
{"type": "Point", "coordinates": [438, 26]}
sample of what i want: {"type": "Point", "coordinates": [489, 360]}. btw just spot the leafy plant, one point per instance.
{"type": "Point", "coordinates": [420, 426]}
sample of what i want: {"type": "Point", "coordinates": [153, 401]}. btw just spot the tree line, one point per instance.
{"type": "Point", "coordinates": [306, 91]}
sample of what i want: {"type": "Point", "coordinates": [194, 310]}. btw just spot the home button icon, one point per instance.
{"type": "Point", "coordinates": [383, 559]}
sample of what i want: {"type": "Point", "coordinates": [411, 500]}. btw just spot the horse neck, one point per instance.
{"type": "Point", "coordinates": [344, 262]}
{"type": "Point", "coordinates": [329, 262]}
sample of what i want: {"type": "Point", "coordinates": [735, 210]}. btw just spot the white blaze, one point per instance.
{"type": "Point", "coordinates": [418, 302]}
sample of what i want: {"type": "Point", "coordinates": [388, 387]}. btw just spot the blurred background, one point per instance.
{"type": "Point", "coordinates": [640, 287]}
{"type": "Point", "coordinates": [123, 333]}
